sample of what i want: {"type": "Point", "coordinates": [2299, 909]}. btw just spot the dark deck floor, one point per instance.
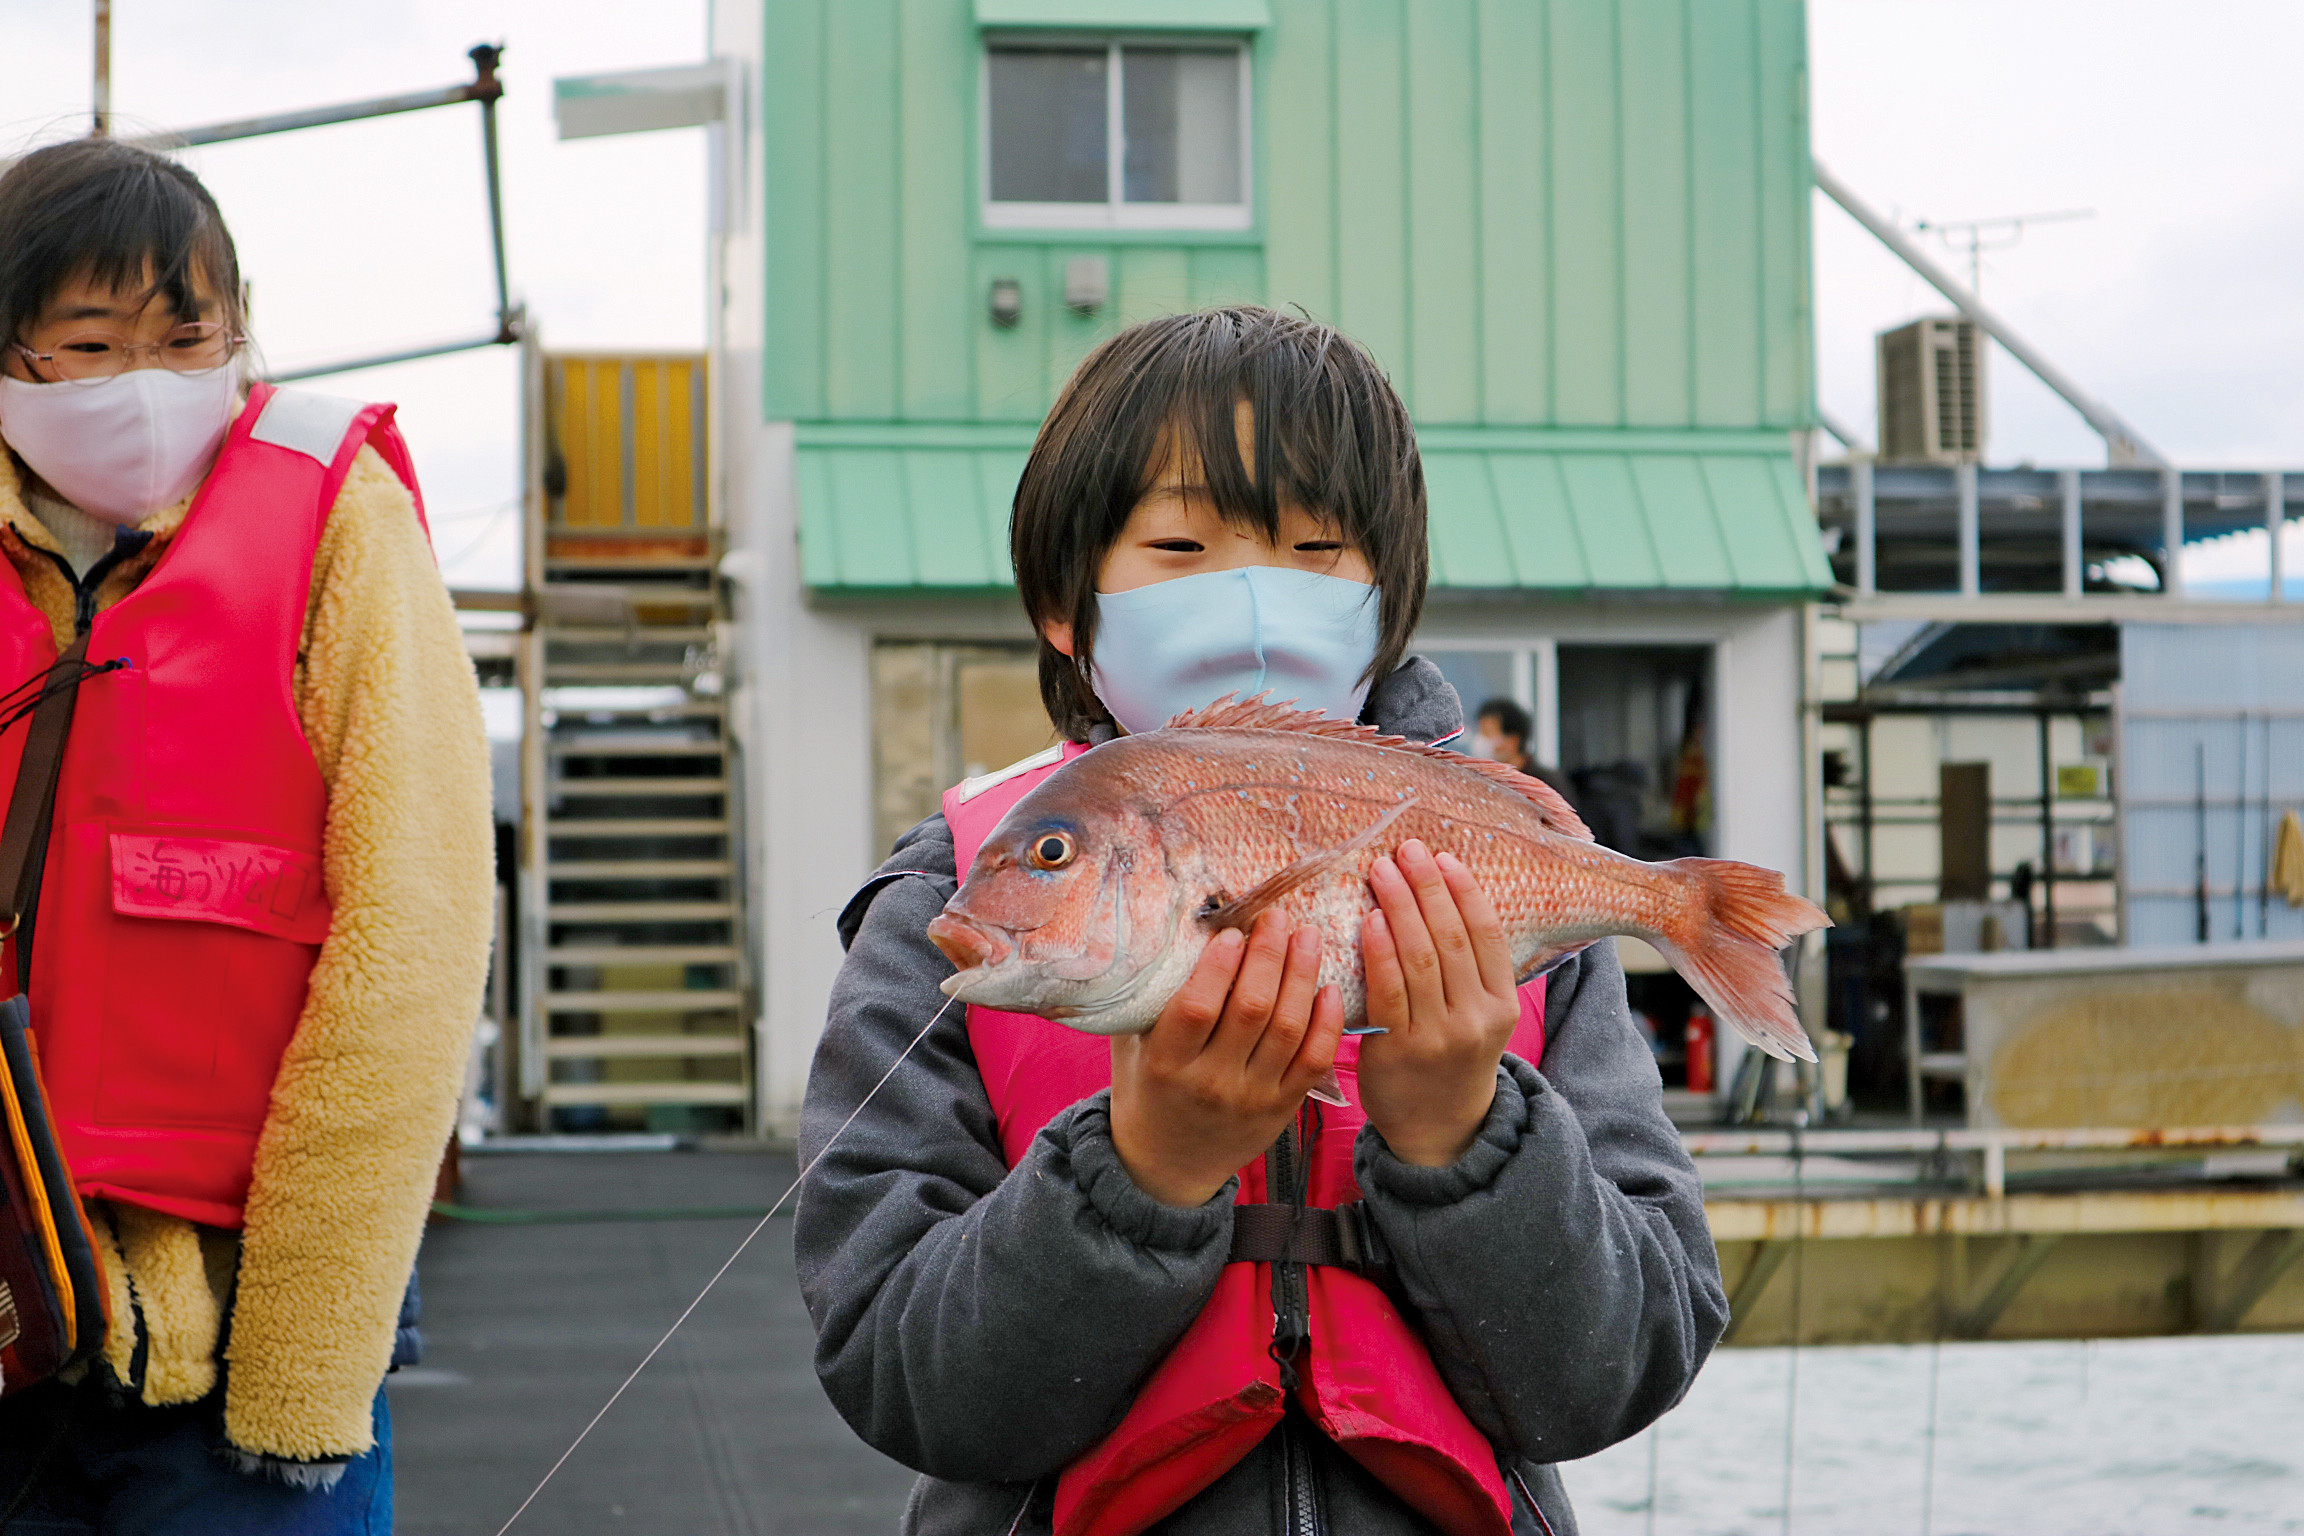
{"type": "Point", "coordinates": [529, 1328]}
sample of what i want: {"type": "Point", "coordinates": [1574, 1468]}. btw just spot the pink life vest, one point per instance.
{"type": "Point", "coordinates": [182, 903]}
{"type": "Point", "coordinates": [1366, 1379]}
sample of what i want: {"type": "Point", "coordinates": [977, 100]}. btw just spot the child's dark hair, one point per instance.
{"type": "Point", "coordinates": [1329, 433]}
{"type": "Point", "coordinates": [124, 217]}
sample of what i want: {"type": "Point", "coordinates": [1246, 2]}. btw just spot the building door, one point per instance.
{"type": "Point", "coordinates": [943, 712]}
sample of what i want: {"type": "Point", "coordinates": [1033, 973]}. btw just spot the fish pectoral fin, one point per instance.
{"type": "Point", "coordinates": [1243, 912]}
{"type": "Point", "coordinates": [1329, 1091]}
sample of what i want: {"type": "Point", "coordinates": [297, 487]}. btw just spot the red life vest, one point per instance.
{"type": "Point", "coordinates": [1366, 1379]}
{"type": "Point", "coordinates": [182, 903]}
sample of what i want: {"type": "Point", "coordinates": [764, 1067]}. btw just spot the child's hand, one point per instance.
{"type": "Point", "coordinates": [1440, 984]}
{"type": "Point", "coordinates": [1226, 1065]}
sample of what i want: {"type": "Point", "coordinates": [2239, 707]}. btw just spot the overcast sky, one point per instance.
{"type": "Point", "coordinates": [2177, 301]}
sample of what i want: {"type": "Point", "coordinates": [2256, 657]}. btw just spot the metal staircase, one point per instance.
{"type": "Point", "coordinates": [636, 1010]}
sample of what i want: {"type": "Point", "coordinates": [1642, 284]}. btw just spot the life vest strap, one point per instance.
{"type": "Point", "coordinates": [1342, 1236]}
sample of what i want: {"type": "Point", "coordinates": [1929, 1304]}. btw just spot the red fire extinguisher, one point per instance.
{"type": "Point", "coordinates": [1699, 1050]}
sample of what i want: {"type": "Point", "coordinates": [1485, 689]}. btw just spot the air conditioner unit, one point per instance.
{"type": "Point", "coordinates": [1932, 392]}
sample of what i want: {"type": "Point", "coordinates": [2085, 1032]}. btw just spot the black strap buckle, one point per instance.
{"type": "Point", "coordinates": [1342, 1236]}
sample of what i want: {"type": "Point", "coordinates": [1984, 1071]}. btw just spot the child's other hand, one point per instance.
{"type": "Point", "coordinates": [1226, 1065]}
{"type": "Point", "coordinates": [1440, 984]}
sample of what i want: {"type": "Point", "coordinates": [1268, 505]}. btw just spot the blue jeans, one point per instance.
{"type": "Point", "coordinates": [128, 1470]}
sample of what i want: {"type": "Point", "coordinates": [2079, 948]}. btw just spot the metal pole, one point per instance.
{"type": "Point", "coordinates": [2171, 531]}
{"type": "Point", "coordinates": [486, 89]}
{"type": "Point", "coordinates": [1971, 532]}
{"type": "Point", "coordinates": [2275, 495]}
{"type": "Point", "coordinates": [1867, 538]}
{"type": "Point", "coordinates": [2121, 443]}
{"type": "Point", "coordinates": [101, 124]}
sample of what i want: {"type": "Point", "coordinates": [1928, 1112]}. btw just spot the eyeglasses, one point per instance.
{"type": "Point", "coordinates": [94, 356]}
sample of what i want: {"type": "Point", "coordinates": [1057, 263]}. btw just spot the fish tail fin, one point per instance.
{"type": "Point", "coordinates": [1727, 942]}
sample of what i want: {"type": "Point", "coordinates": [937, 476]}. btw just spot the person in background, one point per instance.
{"type": "Point", "coordinates": [1503, 733]}
{"type": "Point", "coordinates": [252, 1095]}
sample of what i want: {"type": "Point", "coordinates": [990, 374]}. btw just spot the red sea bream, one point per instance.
{"type": "Point", "coordinates": [1093, 899]}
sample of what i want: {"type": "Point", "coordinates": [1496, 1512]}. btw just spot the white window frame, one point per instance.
{"type": "Point", "coordinates": [1115, 212]}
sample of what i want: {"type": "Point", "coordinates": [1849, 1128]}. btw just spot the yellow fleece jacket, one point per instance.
{"type": "Point", "coordinates": [366, 1095]}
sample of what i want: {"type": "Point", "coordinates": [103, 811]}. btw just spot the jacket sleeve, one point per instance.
{"type": "Point", "coordinates": [367, 1091]}
{"type": "Point", "coordinates": [1562, 1267]}
{"type": "Point", "coordinates": [972, 1322]}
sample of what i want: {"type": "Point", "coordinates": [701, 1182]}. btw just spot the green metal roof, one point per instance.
{"type": "Point", "coordinates": [917, 509]}
{"type": "Point", "coordinates": [1129, 15]}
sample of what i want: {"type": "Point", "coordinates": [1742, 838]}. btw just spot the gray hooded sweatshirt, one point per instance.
{"type": "Point", "coordinates": [987, 1325]}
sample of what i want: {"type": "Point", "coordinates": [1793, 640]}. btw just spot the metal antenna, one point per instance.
{"type": "Point", "coordinates": [1976, 236]}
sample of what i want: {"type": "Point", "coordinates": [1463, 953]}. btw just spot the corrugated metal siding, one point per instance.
{"type": "Point", "coordinates": [1571, 516]}
{"type": "Point", "coordinates": [2227, 697]}
{"type": "Point", "coordinates": [1536, 212]}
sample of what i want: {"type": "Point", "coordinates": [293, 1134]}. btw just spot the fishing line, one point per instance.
{"type": "Point", "coordinates": [1799, 1268]}
{"type": "Point", "coordinates": [761, 1227]}
{"type": "Point", "coordinates": [1655, 1433]}
{"type": "Point", "coordinates": [1928, 1462]}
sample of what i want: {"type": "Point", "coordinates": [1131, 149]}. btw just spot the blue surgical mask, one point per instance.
{"type": "Point", "coordinates": [1184, 644]}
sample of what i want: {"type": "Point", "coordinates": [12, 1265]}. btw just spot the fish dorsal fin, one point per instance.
{"type": "Point", "coordinates": [1233, 713]}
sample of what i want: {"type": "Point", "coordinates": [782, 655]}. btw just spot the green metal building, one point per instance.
{"type": "Point", "coordinates": [1574, 231]}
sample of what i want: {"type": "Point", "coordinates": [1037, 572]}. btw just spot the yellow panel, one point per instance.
{"type": "Point", "coordinates": [604, 423]}
{"type": "Point", "coordinates": [573, 456]}
{"type": "Point", "coordinates": [647, 443]}
{"type": "Point", "coordinates": [680, 431]}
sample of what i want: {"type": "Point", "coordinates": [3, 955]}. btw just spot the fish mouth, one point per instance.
{"type": "Point", "coordinates": [968, 945]}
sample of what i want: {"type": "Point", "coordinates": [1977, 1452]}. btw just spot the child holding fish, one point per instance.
{"type": "Point", "coordinates": [1344, 1229]}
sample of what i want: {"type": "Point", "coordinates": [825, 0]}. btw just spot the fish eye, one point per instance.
{"type": "Point", "coordinates": [1051, 850]}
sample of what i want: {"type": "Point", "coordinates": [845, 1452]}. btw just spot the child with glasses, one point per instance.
{"type": "Point", "coordinates": [259, 941]}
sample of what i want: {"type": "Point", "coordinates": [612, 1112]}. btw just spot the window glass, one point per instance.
{"type": "Point", "coordinates": [1477, 677]}
{"type": "Point", "coordinates": [1181, 113]}
{"type": "Point", "coordinates": [1048, 125]}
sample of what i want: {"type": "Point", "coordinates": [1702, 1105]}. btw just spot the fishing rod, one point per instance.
{"type": "Point", "coordinates": [687, 1311]}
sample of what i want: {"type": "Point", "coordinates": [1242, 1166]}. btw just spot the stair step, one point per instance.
{"type": "Point", "coordinates": [597, 745]}
{"type": "Point", "coordinates": [580, 1047]}
{"type": "Point", "coordinates": [639, 911]}
{"type": "Point", "coordinates": [672, 826]}
{"type": "Point", "coordinates": [671, 1000]}
{"type": "Point", "coordinates": [678, 789]}
{"type": "Point", "coordinates": [638, 869]}
{"type": "Point", "coordinates": [563, 673]}
{"type": "Point", "coordinates": [575, 1095]}
{"type": "Point", "coordinates": [594, 564]}
{"type": "Point", "coordinates": [686, 709]}
{"type": "Point", "coordinates": [641, 634]}
{"type": "Point", "coordinates": [641, 954]}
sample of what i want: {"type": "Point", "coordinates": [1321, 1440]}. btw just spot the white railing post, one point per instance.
{"type": "Point", "coordinates": [2275, 494]}
{"type": "Point", "coordinates": [2072, 571]}
{"type": "Point", "coordinates": [2171, 531]}
{"type": "Point", "coordinates": [1867, 560]}
{"type": "Point", "coordinates": [1971, 535]}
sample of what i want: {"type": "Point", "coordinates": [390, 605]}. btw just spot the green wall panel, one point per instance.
{"type": "Point", "coordinates": [1515, 226]}
{"type": "Point", "coordinates": [1444, 155]}
{"type": "Point", "coordinates": [1296, 164]}
{"type": "Point", "coordinates": [1536, 213]}
{"type": "Point", "coordinates": [1371, 238]}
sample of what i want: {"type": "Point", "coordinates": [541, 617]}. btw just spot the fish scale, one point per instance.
{"type": "Point", "coordinates": [1167, 837]}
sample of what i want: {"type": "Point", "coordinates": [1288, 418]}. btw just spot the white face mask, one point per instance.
{"type": "Point", "coordinates": [122, 449]}
{"type": "Point", "coordinates": [1485, 745]}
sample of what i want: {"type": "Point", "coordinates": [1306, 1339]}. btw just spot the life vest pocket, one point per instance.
{"type": "Point", "coordinates": [209, 958]}
{"type": "Point", "coordinates": [261, 887]}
